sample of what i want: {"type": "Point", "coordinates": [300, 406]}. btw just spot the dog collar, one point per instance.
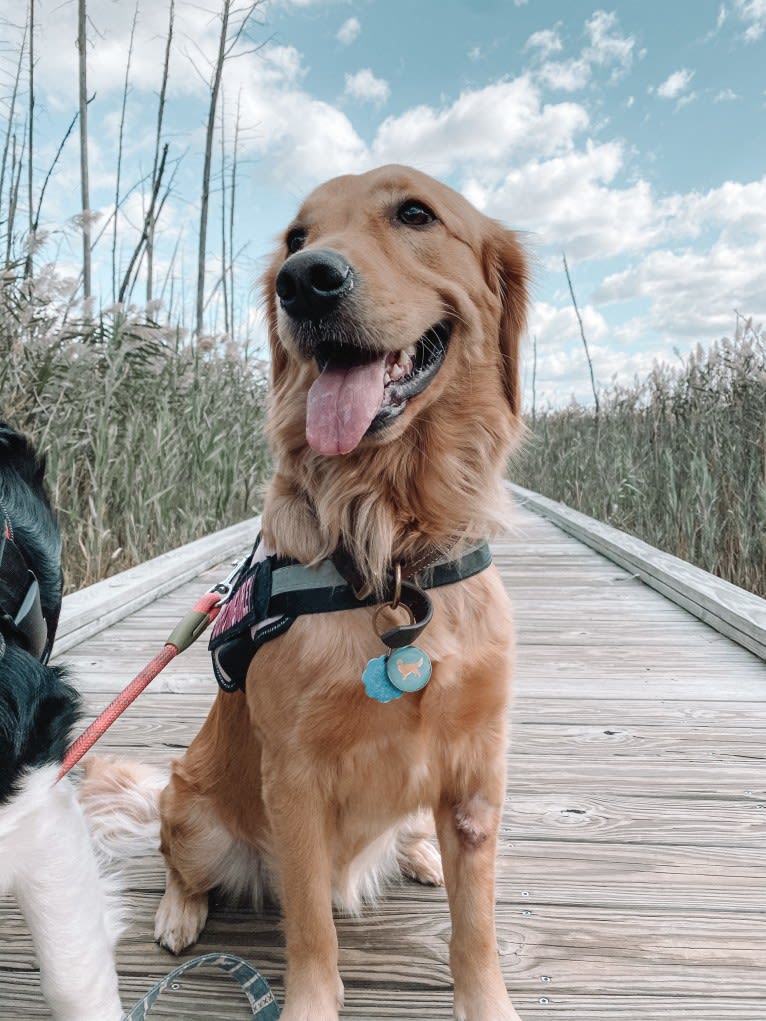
{"type": "Point", "coordinates": [270, 592]}
{"type": "Point", "coordinates": [21, 615]}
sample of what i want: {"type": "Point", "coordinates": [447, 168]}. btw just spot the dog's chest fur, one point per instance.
{"type": "Point", "coordinates": [307, 700]}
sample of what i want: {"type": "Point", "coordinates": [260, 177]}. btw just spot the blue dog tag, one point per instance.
{"type": "Point", "coordinates": [408, 669]}
{"type": "Point", "coordinates": [376, 682]}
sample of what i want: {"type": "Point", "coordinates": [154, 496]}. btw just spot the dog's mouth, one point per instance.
{"type": "Point", "coordinates": [360, 392]}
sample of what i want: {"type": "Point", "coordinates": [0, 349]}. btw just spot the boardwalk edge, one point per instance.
{"type": "Point", "coordinates": [92, 609]}
{"type": "Point", "coordinates": [734, 612]}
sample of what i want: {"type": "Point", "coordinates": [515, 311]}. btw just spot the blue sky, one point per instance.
{"type": "Point", "coordinates": [631, 136]}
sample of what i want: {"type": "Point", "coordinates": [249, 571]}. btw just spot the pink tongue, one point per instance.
{"type": "Point", "coordinates": [341, 405]}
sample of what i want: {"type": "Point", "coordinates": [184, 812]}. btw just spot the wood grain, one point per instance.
{"type": "Point", "coordinates": [731, 610]}
{"type": "Point", "coordinates": [631, 876]}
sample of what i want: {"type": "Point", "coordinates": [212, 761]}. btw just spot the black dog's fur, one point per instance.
{"type": "Point", "coordinates": [38, 708]}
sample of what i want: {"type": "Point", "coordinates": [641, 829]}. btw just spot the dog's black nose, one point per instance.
{"type": "Point", "coordinates": [311, 284]}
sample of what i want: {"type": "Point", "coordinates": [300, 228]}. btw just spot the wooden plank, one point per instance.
{"type": "Point", "coordinates": [534, 872]}
{"type": "Point", "coordinates": [704, 716]}
{"type": "Point", "coordinates": [729, 609]}
{"type": "Point", "coordinates": [540, 742]}
{"type": "Point", "coordinates": [198, 999]}
{"type": "Point", "coordinates": [94, 608]}
{"type": "Point", "coordinates": [574, 812]}
{"type": "Point", "coordinates": [632, 854]}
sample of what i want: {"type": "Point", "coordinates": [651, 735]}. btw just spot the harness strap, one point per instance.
{"type": "Point", "coordinates": [270, 592]}
{"type": "Point", "coordinates": [296, 590]}
{"type": "Point", "coordinates": [252, 983]}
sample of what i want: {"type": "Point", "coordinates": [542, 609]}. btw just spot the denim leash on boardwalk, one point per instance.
{"type": "Point", "coordinates": [253, 985]}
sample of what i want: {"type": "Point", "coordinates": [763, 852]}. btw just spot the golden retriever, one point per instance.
{"type": "Point", "coordinates": [395, 311]}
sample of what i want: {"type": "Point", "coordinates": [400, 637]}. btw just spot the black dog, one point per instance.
{"type": "Point", "coordinates": [46, 857]}
{"type": "Point", "coordinates": [38, 708]}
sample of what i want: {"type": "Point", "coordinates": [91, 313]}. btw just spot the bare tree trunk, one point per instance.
{"type": "Point", "coordinates": [224, 263]}
{"type": "Point", "coordinates": [203, 214]}
{"type": "Point", "coordinates": [49, 173]}
{"type": "Point", "coordinates": [157, 140]}
{"type": "Point", "coordinates": [170, 278]}
{"type": "Point", "coordinates": [30, 143]}
{"type": "Point", "coordinates": [226, 45]}
{"type": "Point", "coordinates": [84, 188]}
{"type": "Point", "coordinates": [126, 85]}
{"type": "Point", "coordinates": [151, 215]}
{"type": "Point", "coordinates": [582, 334]}
{"type": "Point", "coordinates": [10, 142]}
{"type": "Point", "coordinates": [17, 161]}
{"type": "Point", "coordinates": [232, 206]}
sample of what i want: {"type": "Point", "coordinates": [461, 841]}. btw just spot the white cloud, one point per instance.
{"type": "Point", "coordinates": [196, 34]}
{"type": "Point", "coordinates": [562, 368]}
{"type": "Point", "coordinates": [552, 324]}
{"type": "Point", "coordinates": [694, 293]}
{"type": "Point", "coordinates": [282, 65]}
{"type": "Point", "coordinates": [349, 31]}
{"type": "Point", "coordinates": [546, 41]}
{"type": "Point", "coordinates": [482, 128]}
{"type": "Point", "coordinates": [753, 13]}
{"type": "Point", "coordinates": [738, 209]}
{"type": "Point", "coordinates": [475, 53]}
{"type": "Point", "coordinates": [725, 96]}
{"type": "Point", "coordinates": [566, 75]}
{"type": "Point", "coordinates": [675, 84]}
{"type": "Point", "coordinates": [572, 201]}
{"type": "Point", "coordinates": [366, 87]}
{"type": "Point", "coordinates": [607, 46]}
{"type": "Point", "coordinates": [302, 156]}
{"type": "Point", "coordinates": [685, 100]}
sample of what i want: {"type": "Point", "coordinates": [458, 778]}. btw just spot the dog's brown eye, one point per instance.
{"type": "Point", "coordinates": [296, 239]}
{"type": "Point", "coordinates": [415, 214]}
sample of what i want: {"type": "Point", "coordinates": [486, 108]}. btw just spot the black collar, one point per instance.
{"type": "Point", "coordinates": [297, 590]}
{"type": "Point", "coordinates": [21, 615]}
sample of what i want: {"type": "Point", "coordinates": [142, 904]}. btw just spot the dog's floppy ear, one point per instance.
{"type": "Point", "coordinates": [507, 273]}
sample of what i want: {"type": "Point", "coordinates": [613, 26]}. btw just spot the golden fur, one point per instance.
{"type": "Point", "coordinates": [305, 783]}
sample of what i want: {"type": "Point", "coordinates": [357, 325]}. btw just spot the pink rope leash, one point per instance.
{"type": "Point", "coordinates": [203, 613]}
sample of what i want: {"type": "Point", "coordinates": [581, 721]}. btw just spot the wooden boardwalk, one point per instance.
{"type": "Point", "coordinates": [632, 866]}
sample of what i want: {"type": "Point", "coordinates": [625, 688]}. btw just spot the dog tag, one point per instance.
{"type": "Point", "coordinates": [376, 682]}
{"type": "Point", "coordinates": [408, 669]}
{"type": "Point", "coordinates": [405, 667]}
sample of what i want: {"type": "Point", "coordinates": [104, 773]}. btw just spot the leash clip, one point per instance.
{"type": "Point", "coordinates": [225, 588]}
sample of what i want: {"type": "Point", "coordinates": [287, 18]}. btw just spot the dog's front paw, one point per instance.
{"type": "Point", "coordinates": [180, 919]}
{"type": "Point", "coordinates": [496, 1010]}
{"type": "Point", "coordinates": [302, 1006]}
{"type": "Point", "coordinates": [309, 1011]}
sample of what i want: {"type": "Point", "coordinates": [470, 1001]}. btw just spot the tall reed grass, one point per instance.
{"type": "Point", "coordinates": [150, 441]}
{"type": "Point", "coordinates": [678, 459]}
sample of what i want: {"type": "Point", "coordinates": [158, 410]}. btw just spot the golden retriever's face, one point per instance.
{"type": "Point", "coordinates": [391, 295]}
